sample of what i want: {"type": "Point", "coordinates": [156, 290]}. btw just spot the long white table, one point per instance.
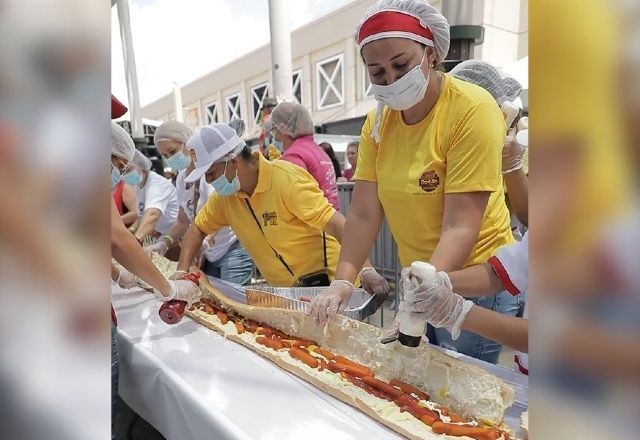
{"type": "Point", "coordinates": [190, 383]}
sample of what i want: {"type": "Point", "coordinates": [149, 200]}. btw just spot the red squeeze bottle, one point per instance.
{"type": "Point", "coordinates": [172, 311]}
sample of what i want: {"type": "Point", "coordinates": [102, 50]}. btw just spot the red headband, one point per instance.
{"type": "Point", "coordinates": [386, 24]}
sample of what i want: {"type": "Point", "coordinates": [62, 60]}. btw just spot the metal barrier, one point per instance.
{"type": "Point", "coordinates": [384, 253]}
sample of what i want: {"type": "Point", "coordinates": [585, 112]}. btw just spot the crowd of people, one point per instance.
{"type": "Point", "coordinates": [436, 159]}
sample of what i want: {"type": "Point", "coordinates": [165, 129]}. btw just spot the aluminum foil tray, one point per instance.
{"type": "Point", "coordinates": [360, 305]}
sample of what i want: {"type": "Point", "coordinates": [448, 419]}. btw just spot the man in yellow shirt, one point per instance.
{"type": "Point", "coordinates": [276, 209]}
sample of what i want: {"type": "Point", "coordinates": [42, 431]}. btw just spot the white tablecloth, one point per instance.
{"type": "Point", "coordinates": [191, 383]}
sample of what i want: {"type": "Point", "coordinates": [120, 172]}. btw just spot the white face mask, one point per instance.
{"type": "Point", "coordinates": [405, 92]}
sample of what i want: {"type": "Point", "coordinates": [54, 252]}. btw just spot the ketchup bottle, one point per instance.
{"type": "Point", "coordinates": [172, 311]}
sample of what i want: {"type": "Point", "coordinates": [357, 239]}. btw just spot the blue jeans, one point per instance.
{"type": "Point", "coordinates": [235, 266]}
{"type": "Point", "coordinates": [473, 344]}
{"type": "Point", "coordinates": [115, 370]}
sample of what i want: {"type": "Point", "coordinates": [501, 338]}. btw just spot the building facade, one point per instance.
{"type": "Point", "coordinates": [329, 77]}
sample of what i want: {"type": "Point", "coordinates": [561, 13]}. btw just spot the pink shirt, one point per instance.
{"type": "Point", "coordinates": [305, 153]}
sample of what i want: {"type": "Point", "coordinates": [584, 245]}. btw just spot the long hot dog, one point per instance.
{"type": "Point", "coordinates": [304, 356]}
{"type": "Point", "coordinates": [223, 317]}
{"type": "Point", "coordinates": [351, 369]}
{"type": "Point", "coordinates": [271, 343]}
{"type": "Point", "coordinates": [408, 389]}
{"type": "Point", "coordinates": [475, 432]}
{"type": "Point", "coordinates": [384, 387]}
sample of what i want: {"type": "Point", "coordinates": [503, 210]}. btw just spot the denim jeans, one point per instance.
{"type": "Point", "coordinates": [235, 266]}
{"type": "Point", "coordinates": [473, 344]}
{"type": "Point", "coordinates": [114, 379]}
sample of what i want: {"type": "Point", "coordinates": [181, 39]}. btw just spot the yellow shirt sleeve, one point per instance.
{"type": "Point", "coordinates": [367, 153]}
{"type": "Point", "coordinates": [308, 203]}
{"type": "Point", "coordinates": [211, 217]}
{"type": "Point", "coordinates": [474, 158]}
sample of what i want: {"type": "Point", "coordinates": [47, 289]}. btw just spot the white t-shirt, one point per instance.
{"type": "Point", "coordinates": [225, 237]}
{"type": "Point", "coordinates": [158, 193]}
{"type": "Point", "coordinates": [511, 264]}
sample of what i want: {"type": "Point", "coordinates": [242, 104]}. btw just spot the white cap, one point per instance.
{"type": "Point", "coordinates": [213, 143]}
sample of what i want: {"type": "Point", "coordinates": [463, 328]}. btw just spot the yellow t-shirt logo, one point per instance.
{"type": "Point", "coordinates": [429, 181]}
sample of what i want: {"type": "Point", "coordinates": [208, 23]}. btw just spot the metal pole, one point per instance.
{"type": "Point", "coordinates": [137, 130]}
{"type": "Point", "coordinates": [177, 100]}
{"type": "Point", "coordinates": [280, 50]}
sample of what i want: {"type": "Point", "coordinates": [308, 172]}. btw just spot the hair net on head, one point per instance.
{"type": "Point", "coordinates": [238, 125]}
{"type": "Point", "coordinates": [501, 86]}
{"type": "Point", "coordinates": [122, 145]}
{"type": "Point", "coordinates": [172, 131]}
{"type": "Point", "coordinates": [291, 119]}
{"type": "Point", "coordinates": [413, 19]}
{"type": "Point", "coordinates": [141, 161]}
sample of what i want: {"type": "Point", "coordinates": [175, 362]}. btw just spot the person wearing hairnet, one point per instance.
{"type": "Point", "coordinates": [440, 303]}
{"type": "Point", "coordinates": [429, 161]}
{"type": "Point", "coordinates": [128, 252]}
{"type": "Point", "coordinates": [275, 208]}
{"type": "Point", "coordinates": [504, 90]}
{"type": "Point", "coordinates": [156, 196]}
{"type": "Point", "coordinates": [224, 257]}
{"type": "Point", "coordinates": [124, 247]}
{"type": "Point", "coordinates": [292, 126]}
{"type": "Point", "coordinates": [266, 139]}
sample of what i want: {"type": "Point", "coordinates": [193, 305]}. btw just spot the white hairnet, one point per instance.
{"type": "Point", "coordinates": [141, 161]}
{"type": "Point", "coordinates": [429, 17]}
{"type": "Point", "coordinates": [291, 119]}
{"type": "Point", "coordinates": [500, 85]}
{"type": "Point", "coordinates": [172, 131]}
{"type": "Point", "coordinates": [122, 145]}
{"type": "Point", "coordinates": [238, 125]}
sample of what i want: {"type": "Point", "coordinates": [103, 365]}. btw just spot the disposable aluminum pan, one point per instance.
{"type": "Point", "coordinates": [360, 305]}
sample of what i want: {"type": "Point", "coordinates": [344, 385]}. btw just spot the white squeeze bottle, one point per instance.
{"type": "Point", "coordinates": [412, 328]}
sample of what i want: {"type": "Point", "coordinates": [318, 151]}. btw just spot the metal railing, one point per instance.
{"type": "Point", "coordinates": [384, 253]}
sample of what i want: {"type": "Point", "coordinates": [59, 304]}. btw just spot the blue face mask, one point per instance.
{"type": "Point", "coordinates": [115, 176]}
{"type": "Point", "coordinates": [179, 161]}
{"type": "Point", "coordinates": [278, 144]}
{"type": "Point", "coordinates": [132, 178]}
{"type": "Point", "coordinates": [223, 186]}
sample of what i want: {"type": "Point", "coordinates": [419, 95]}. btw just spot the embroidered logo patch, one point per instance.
{"type": "Point", "coordinates": [270, 218]}
{"type": "Point", "coordinates": [429, 181]}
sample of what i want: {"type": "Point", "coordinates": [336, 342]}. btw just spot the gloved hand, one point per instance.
{"type": "Point", "coordinates": [438, 305]}
{"type": "Point", "coordinates": [178, 274]}
{"type": "Point", "coordinates": [126, 279]}
{"type": "Point", "coordinates": [334, 299]}
{"type": "Point", "coordinates": [183, 290]}
{"type": "Point", "coordinates": [512, 153]}
{"type": "Point", "coordinates": [395, 329]}
{"type": "Point", "coordinates": [375, 284]}
{"type": "Point", "coordinates": [160, 247]}
{"type": "Point", "coordinates": [409, 283]}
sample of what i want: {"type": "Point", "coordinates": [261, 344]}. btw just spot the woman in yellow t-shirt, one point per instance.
{"type": "Point", "coordinates": [429, 161]}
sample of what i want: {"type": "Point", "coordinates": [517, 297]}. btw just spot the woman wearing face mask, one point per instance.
{"type": "Point", "coordinates": [429, 161]}
{"type": "Point", "coordinates": [292, 126]}
{"type": "Point", "coordinates": [224, 257]}
{"type": "Point", "coordinates": [275, 208]}
{"type": "Point", "coordinates": [156, 197]}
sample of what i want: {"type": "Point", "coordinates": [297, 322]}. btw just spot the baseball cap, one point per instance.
{"type": "Point", "coordinates": [210, 145]}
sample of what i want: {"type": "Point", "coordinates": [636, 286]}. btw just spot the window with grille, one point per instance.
{"type": "Point", "coordinates": [233, 107]}
{"type": "Point", "coordinates": [330, 82]}
{"type": "Point", "coordinates": [297, 86]}
{"type": "Point", "coordinates": [212, 113]}
{"type": "Point", "coordinates": [258, 93]}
